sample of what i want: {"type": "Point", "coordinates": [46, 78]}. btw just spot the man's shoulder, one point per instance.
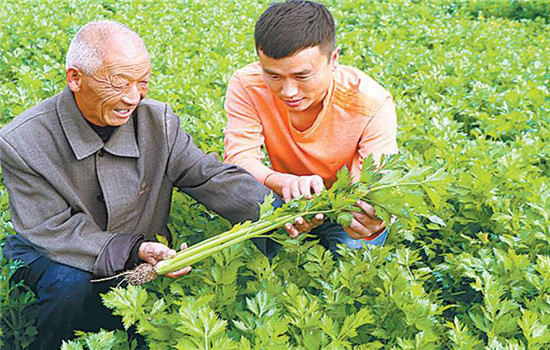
{"type": "Point", "coordinates": [250, 75]}
{"type": "Point", "coordinates": [356, 90]}
{"type": "Point", "coordinates": [153, 106]}
{"type": "Point", "coordinates": [32, 119]}
{"type": "Point", "coordinates": [159, 116]}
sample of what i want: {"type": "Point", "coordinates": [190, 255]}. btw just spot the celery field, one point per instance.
{"type": "Point", "coordinates": [471, 83]}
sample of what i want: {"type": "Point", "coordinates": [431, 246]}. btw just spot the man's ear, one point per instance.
{"type": "Point", "coordinates": [74, 79]}
{"type": "Point", "coordinates": [334, 58]}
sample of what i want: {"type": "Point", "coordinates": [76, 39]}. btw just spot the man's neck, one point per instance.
{"type": "Point", "coordinates": [304, 120]}
{"type": "Point", "coordinates": [104, 132]}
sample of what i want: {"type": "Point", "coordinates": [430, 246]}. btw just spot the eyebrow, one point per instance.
{"type": "Point", "coordinates": [302, 72]}
{"type": "Point", "coordinates": [130, 77]}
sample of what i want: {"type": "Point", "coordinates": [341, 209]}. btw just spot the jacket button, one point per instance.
{"type": "Point", "coordinates": [101, 153]}
{"type": "Point", "coordinates": [100, 197]}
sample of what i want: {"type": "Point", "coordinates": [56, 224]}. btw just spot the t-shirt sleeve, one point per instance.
{"type": "Point", "coordinates": [244, 132]}
{"type": "Point", "coordinates": [379, 136]}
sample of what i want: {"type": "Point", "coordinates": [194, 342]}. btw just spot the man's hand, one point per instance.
{"type": "Point", "coordinates": [300, 225]}
{"type": "Point", "coordinates": [306, 186]}
{"type": "Point", "coordinates": [298, 186]}
{"type": "Point", "coordinates": [364, 224]}
{"type": "Point", "coordinates": [153, 252]}
{"type": "Point", "coordinates": [291, 186]}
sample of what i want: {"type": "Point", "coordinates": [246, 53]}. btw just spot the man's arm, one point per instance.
{"type": "Point", "coordinates": [379, 137]}
{"type": "Point", "coordinates": [244, 136]}
{"type": "Point", "coordinates": [244, 139]}
{"type": "Point", "coordinates": [225, 189]}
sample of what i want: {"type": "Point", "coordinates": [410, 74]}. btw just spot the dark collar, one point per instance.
{"type": "Point", "coordinates": [84, 140]}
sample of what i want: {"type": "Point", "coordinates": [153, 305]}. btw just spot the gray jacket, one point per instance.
{"type": "Point", "coordinates": [58, 171]}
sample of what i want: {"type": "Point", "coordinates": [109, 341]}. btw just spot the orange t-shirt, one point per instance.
{"type": "Point", "coordinates": [358, 118]}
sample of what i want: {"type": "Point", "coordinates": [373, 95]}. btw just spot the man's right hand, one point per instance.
{"type": "Point", "coordinates": [302, 186]}
{"type": "Point", "coordinates": [153, 252]}
{"type": "Point", "coordinates": [293, 186]}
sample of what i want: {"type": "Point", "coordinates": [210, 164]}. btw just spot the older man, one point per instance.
{"type": "Point", "coordinates": [312, 115]}
{"type": "Point", "coordinates": [90, 173]}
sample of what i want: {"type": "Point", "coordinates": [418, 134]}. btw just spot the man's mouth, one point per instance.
{"type": "Point", "coordinates": [123, 112]}
{"type": "Point", "coordinates": [294, 103]}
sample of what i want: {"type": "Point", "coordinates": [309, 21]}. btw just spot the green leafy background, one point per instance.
{"type": "Point", "coordinates": [470, 80]}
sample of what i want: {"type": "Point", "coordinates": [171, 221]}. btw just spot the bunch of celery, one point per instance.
{"type": "Point", "coordinates": [392, 189]}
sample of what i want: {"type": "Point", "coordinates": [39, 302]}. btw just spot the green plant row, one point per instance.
{"type": "Point", "coordinates": [470, 81]}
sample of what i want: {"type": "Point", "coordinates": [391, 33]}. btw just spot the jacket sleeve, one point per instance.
{"type": "Point", "coordinates": [225, 189]}
{"type": "Point", "coordinates": [244, 132]}
{"type": "Point", "coordinates": [42, 216]}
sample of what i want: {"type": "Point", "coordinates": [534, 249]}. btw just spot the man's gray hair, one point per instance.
{"type": "Point", "coordinates": [87, 49]}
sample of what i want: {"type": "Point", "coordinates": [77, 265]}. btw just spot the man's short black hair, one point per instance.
{"type": "Point", "coordinates": [288, 27]}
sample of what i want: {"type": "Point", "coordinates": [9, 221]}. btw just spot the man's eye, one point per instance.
{"type": "Point", "coordinates": [119, 83]}
{"type": "Point", "coordinates": [119, 86]}
{"type": "Point", "coordinates": [273, 77]}
{"type": "Point", "coordinates": [302, 77]}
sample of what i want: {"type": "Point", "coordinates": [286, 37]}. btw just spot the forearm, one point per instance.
{"type": "Point", "coordinates": [251, 164]}
{"type": "Point", "coordinates": [225, 189]}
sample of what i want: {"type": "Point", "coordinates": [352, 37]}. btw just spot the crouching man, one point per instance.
{"type": "Point", "coordinates": [312, 115]}
{"type": "Point", "coordinates": [90, 174]}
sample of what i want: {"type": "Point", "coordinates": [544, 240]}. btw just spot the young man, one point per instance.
{"type": "Point", "coordinates": [312, 115]}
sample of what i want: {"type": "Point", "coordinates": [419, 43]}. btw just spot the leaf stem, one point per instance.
{"type": "Point", "coordinates": [204, 249]}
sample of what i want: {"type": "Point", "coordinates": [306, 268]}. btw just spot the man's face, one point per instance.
{"type": "Point", "coordinates": [111, 94]}
{"type": "Point", "coordinates": [301, 81]}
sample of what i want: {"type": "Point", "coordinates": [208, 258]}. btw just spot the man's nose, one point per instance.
{"type": "Point", "coordinates": [290, 89]}
{"type": "Point", "coordinates": [132, 96]}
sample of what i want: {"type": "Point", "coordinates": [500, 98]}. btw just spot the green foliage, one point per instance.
{"type": "Point", "coordinates": [470, 81]}
{"type": "Point", "coordinates": [394, 191]}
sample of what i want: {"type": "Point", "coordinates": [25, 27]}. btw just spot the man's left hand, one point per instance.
{"type": "Point", "coordinates": [364, 224]}
{"type": "Point", "coordinates": [301, 225]}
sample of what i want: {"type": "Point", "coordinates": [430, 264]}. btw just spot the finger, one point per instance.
{"type": "Point", "coordinates": [373, 225]}
{"type": "Point", "coordinates": [359, 228]}
{"type": "Point", "coordinates": [351, 233]}
{"type": "Point", "coordinates": [292, 231]}
{"type": "Point", "coordinates": [183, 246]}
{"type": "Point", "coordinates": [317, 184]}
{"type": "Point", "coordinates": [367, 208]}
{"type": "Point", "coordinates": [287, 195]}
{"type": "Point", "coordinates": [317, 220]}
{"type": "Point", "coordinates": [155, 250]}
{"type": "Point", "coordinates": [295, 189]}
{"type": "Point", "coordinates": [150, 252]}
{"type": "Point", "coordinates": [179, 272]}
{"type": "Point", "coordinates": [304, 186]}
{"type": "Point", "coordinates": [363, 218]}
{"type": "Point", "coordinates": [167, 254]}
{"type": "Point", "coordinates": [302, 225]}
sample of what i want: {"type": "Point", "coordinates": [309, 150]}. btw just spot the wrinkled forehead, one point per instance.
{"type": "Point", "coordinates": [125, 55]}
